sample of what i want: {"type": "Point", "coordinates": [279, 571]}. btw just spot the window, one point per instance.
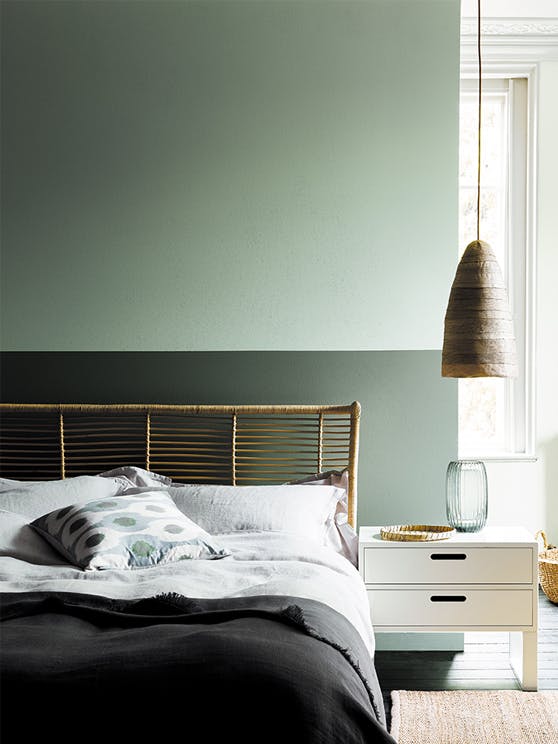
{"type": "Point", "coordinates": [495, 414]}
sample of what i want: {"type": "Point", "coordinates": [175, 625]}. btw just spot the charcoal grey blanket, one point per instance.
{"type": "Point", "coordinates": [263, 669]}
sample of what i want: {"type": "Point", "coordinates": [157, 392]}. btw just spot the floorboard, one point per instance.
{"type": "Point", "coordinates": [482, 665]}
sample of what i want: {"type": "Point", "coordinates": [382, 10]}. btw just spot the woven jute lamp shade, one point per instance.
{"type": "Point", "coordinates": [479, 339]}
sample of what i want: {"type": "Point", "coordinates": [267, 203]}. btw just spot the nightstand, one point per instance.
{"type": "Point", "coordinates": [481, 581]}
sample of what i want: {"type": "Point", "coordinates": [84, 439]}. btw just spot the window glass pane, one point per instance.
{"type": "Point", "coordinates": [482, 414]}
{"type": "Point", "coordinates": [493, 205]}
{"type": "Point", "coordinates": [482, 401]}
{"type": "Point", "coordinates": [494, 116]}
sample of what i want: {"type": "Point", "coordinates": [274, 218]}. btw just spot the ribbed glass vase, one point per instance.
{"type": "Point", "coordinates": [466, 495]}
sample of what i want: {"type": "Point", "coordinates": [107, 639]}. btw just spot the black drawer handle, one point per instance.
{"type": "Point", "coordinates": [448, 598]}
{"type": "Point", "coordinates": [448, 556]}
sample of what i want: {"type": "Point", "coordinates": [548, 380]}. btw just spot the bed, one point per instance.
{"type": "Point", "coordinates": [183, 570]}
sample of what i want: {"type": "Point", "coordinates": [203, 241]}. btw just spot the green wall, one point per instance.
{"type": "Point", "coordinates": [202, 200]}
{"type": "Point", "coordinates": [208, 175]}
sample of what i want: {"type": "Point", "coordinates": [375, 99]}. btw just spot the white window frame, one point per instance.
{"type": "Point", "coordinates": [520, 268]}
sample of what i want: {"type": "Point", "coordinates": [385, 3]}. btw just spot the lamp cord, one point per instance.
{"type": "Point", "coordinates": [479, 117]}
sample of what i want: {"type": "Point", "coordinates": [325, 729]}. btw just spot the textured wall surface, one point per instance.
{"type": "Point", "coordinates": [228, 175]}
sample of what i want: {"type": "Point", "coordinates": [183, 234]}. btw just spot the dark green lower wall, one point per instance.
{"type": "Point", "coordinates": [409, 413]}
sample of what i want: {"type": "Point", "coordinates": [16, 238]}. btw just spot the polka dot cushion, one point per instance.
{"type": "Point", "coordinates": [126, 532]}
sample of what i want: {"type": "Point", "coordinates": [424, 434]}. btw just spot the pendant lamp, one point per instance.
{"type": "Point", "coordinates": [479, 338]}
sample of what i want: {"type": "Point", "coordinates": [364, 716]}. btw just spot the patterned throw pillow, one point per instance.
{"type": "Point", "coordinates": [126, 532]}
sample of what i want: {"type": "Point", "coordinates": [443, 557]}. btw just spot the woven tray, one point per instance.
{"type": "Point", "coordinates": [416, 532]}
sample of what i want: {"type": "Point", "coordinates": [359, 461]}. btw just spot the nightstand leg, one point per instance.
{"type": "Point", "coordinates": [523, 658]}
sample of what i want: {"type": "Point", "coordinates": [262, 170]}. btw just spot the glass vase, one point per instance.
{"type": "Point", "coordinates": [466, 495]}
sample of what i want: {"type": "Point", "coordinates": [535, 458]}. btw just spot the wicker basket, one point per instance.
{"type": "Point", "coordinates": [548, 569]}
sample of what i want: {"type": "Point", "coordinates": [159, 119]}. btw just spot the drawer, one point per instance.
{"type": "Point", "coordinates": [456, 607]}
{"type": "Point", "coordinates": [443, 565]}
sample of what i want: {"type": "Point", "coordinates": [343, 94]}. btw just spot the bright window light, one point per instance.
{"type": "Point", "coordinates": [493, 412]}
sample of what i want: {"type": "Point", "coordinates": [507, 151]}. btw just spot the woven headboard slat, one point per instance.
{"type": "Point", "coordinates": [239, 445]}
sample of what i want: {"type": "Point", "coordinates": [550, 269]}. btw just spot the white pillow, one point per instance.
{"type": "Point", "coordinates": [300, 510]}
{"type": "Point", "coordinates": [342, 537]}
{"type": "Point", "coordinates": [37, 497]}
{"type": "Point", "coordinates": [19, 540]}
{"type": "Point", "coordinates": [6, 484]}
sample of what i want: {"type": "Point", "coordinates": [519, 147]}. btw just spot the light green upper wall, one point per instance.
{"type": "Point", "coordinates": [228, 175]}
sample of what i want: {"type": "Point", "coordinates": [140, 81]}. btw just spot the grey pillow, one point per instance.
{"type": "Point", "coordinates": [131, 531]}
{"type": "Point", "coordinates": [138, 476]}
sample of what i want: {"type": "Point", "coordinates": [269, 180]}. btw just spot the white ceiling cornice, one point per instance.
{"type": "Point", "coordinates": [514, 39]}
{"type": "Point", "coordinates": [512, 27]}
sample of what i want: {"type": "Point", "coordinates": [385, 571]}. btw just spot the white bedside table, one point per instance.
{"type": "Point", "coordinates": [480, 581]}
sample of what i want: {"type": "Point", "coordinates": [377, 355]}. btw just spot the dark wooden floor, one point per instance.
{"type": "Point", "coordinates": [483, 665]}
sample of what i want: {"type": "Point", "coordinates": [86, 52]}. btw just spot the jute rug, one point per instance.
{"type": "Point", "coordinates": [474, 717]}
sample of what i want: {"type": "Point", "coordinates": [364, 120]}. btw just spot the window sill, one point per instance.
{"type": "Point", "coordinates": [501, 457]}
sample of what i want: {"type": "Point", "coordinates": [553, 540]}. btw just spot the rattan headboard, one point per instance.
{"type": "Point", "coordinates": [238, 445]}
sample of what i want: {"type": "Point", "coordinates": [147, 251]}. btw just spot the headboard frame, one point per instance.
{"type": "Point", "coordinates": [238, 445]}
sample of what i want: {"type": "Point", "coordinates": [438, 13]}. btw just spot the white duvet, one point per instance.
{"type": "Point", "coordinates": [260, 563]}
